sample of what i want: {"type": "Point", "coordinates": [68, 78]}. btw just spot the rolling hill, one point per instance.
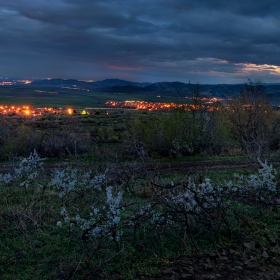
{"type": "Point", "coordinates": [63, 92]}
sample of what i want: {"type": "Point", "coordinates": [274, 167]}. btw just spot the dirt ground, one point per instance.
{"type": "Point", "coordinates": [223, 265]}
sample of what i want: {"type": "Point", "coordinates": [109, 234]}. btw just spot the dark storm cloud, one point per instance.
{"type": "Point", "coordinates": [146, 40]}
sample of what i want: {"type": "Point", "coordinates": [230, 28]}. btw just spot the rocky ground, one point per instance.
{"type": "Point", "coordinates": [252, 263]}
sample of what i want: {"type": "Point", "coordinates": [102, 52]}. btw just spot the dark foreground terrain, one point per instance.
{"type": "Point", "coordinates": [227, 264]}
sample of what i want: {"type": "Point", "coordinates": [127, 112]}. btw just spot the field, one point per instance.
{"type": "Point", "coordinates": [129, 194]}
{"type": "Point", "coordinates": [53, 97]}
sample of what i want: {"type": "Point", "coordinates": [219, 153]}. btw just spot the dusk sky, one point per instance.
{"type": "Point", "coordinates": [206, 41]}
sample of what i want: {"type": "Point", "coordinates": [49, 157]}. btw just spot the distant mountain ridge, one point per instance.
{"type": "Point", "coordinates": [122, 86]}
{"type": "Point", "coordinates": [118, 82]}
{"type": "Point", "coordinates": [176, 89]}
{"type": "Point", "coordinates": [98, 84]}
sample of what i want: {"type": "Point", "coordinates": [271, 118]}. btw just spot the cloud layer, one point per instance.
{"type": "Point", "coordinates": [207, 41]}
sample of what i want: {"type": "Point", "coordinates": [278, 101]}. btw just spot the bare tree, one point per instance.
{"type": "Point", "coordinates": [250, 115]}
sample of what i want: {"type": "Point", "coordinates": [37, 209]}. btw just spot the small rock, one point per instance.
{"type": "Point", "coordinates": [272, 241]}
{"type": "Point", "coordinates": [167, 271]}
{"type": "Point", "coordinates": [186, 276]}
{"type": "Point", "coordinates": [188, 270]}
{"type": "Point", "coordinates": [249, 245]}
{"type": "Point", "coordinates": [265, 254]}
{"type": "Point", "coordinates": [245, 255]}
{"type": "Point", "coordinates": [222, 258]}
{"type": "Point", "coordinates": [208, 277]}
{"type": "Point", "coordinates": [276, 249]}
{"type": "Point", "coordinates": [212, 255]}
{"type": "Point", "coordinates": [252, 265]}
{"type": "Point", "coordinates": [233, 252]}
{"type": "Point", "coordinates": [208, 267]}
{"type": "Point", "coordinates": [223, 253]}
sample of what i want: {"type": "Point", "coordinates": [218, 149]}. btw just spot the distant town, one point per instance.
{"type": "Point", "coordinates": [209, 104]}
{"type": "Point", "coordinates": [172, 95]}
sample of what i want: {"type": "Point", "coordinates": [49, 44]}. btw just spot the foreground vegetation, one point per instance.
{"type": "Point", "coordinates": [71, 223]}
{"type": "Point", "coordinates": [104, 209]}
{"type": "Point", "coordinates": [78, 223]}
